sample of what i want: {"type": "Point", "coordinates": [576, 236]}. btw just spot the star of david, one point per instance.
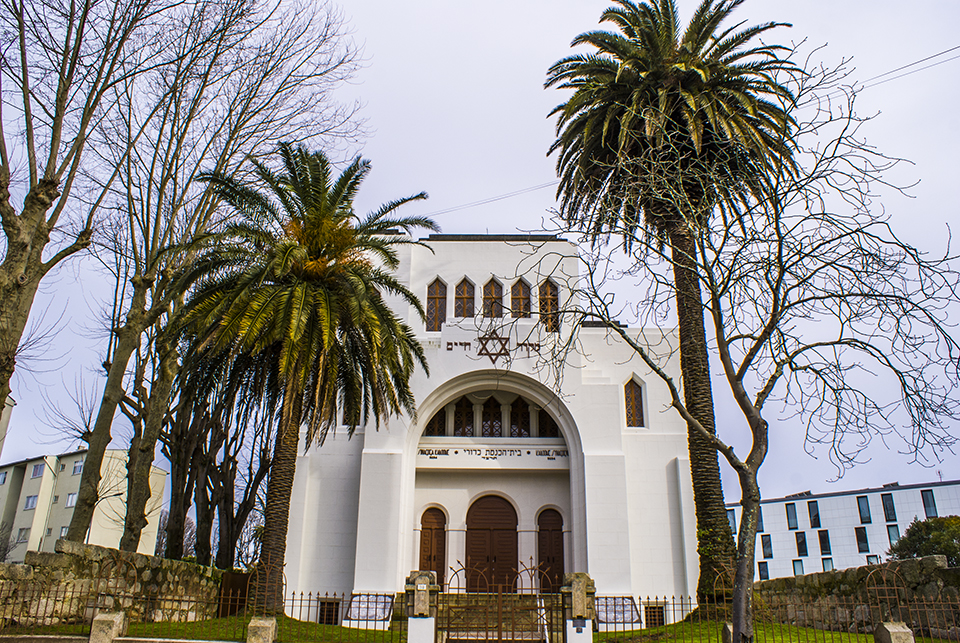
{"type": "Point", "coordinates": [494, 346]}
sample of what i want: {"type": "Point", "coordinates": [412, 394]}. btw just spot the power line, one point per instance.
{"type": "Point", "coordinates": [491, 199]}
{"type": "Point", "coordinates": [864, 85]}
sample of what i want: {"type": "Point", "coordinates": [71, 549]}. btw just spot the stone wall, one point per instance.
{"type": "Point", "coordinates": [71, 584]}
{"type": "Point", "coordinates": [921, 592]}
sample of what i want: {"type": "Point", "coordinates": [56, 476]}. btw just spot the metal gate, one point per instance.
{"type": "Point", "coordinates": [520, 611]}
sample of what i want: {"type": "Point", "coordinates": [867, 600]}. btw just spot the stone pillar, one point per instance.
{"type": "Point", "coordinates": [579, 608]}
{"type": "Point", "coordinates": [893, 633]}
{"type": "Point", "coordinates": [422, 592]}
{"type": "Point", "coordinates": [107, 626]}
{"type": "Point", "coordinates": [262, 630]}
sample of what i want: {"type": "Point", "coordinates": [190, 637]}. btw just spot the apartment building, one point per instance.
{"type": "Point", "coordinates": [807, 532]}
{"type": "Point", "coordinates": [37, 497]}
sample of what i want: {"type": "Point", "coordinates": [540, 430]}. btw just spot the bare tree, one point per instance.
{"type": "Point", "coordinates": [815, 302]}
{"type": "Point", "coordinates": [60, 63]}
{"type": "Point", "coordinates": [245, 77]}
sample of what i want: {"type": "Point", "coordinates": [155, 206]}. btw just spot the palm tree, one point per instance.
{"type": "Point", "coordinates": [674, 127]}
{"type": "Point", "coordinates": [298, 279]}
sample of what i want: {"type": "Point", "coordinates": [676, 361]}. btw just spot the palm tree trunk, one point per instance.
{"type": "Point", "coordinates": [714, 539]}
{"type": "Point", "coordinates": [268, 597]}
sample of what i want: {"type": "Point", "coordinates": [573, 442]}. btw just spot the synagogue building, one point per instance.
{"type": "Point", "coordinates": [533, 448]}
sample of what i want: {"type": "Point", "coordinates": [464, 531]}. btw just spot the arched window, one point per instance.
{"type": "Point", "coordinates": [436, 304]}
{"type": "Point", "coordinates": [520, 418]}
{"type": "Point", "coordinates": [437, 424]}
{"type": "Point", "coordinates": [520, 299]}
{"type": "Point", "coordinates": [549, 305]}
{"type": "Point", "coordinates": [632, 393]}
{"type": "Point", "coordinates": [463, 299]}
{"type": "Point", "coordinates": [492, 426]}
{"type": "Point", "coordinates": [493, 299]}
{"type": "Point", "coordinates": [463, 418]}
{"type": "Point", "coordinates": [547, 426]}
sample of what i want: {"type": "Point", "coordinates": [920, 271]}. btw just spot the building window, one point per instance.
{"type": "Point", "coordinates": [798, 568]}
{"type": "Point", "coordinates": [56, 499]}
{"type": "Point", "coordinates": [37, 470]}
{"type": "Point", "coordinates": [813, 509]}
{"type": "Point", "coordinates": [520, 299]}
{"type": "Point", "coordinates": [520, 419]}
{"type": "Point", "coordinates": [463, 419]}
{"type": "Point", "coordinates": [62, 467]}
{"type": "Point", "coordinates": [827, 564]}
{"type": "Point", "coordinates": [492, 426]}
{"type": "Point", "coordinates": [801, 543]}
{"type": "Point", "coordinates": [548, 427]}
{"type": "Point", "coordinates": [463, 299]}
{"type": "Point", "coordinates": [873, 559]}
{"type": "Point", "coordinates": [766, 544]}
{"type": "Point", "coordinates": [78, 467]}
{"type": "Point", "coordinates": [31, 502]}
{"type": "Point", "coordinates": [824, 537]}
{"type": "Point", "coordinates": [633, 395]}
{"type": "Point", "coordinates": [654, 615]}
{"type": "Point", "coordinates": [759, 519]}
{"type": "Point", "coordinates": [732, 519]}
{"type": "Point", "coordinates": [889, 509]}
{"type": "Point", "coordinates": [929, 503]}
{"type": "Point", "coordinates": [549, 306]}
{"type": "Point", "coordinates": [3, 477]}
{"type": "Point", "coordinates": [436, 310]}
{"type": "Point", "coordinates": [23, 534]}
{"type": "Point", "coordinates": [49, 531]}
{"type": "Point", "coordinates": [71, 500]}
{"type": "Point", "coordinates": [863, 505]}
{"type": "Point", "coordinates": [493, 299]}
{"type": "Point", "coordinates": [763, 570]}
{"type": "Point", "coordinates": [63, 531]}
{"type": "Point", "coordinates": [862, 544]}
{"type": "Point", "coordinates": [437, 424]}
{"type": "Point", "coordinates": [791, 516]}
{"type": "Point", "coordinates": [893, 534]}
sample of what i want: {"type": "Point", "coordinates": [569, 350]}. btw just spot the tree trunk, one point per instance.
{"type": "Point", "coordinates": [128, 339]}
{"type": "Point", "coordinates": [742, 602]}
{"type": "Point", "coordinates": [714, 539]}
{"type": "Point", "coordinates": [204, 510]}
{"type": "Point", "coordinates": [138, 477]}
{"type": "Point", "coordinates": [268, 597]}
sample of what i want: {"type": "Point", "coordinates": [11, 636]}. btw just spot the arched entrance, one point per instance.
{"type": "Point", "coordinates": [491, 545]}
{"type": "Point", "coordinates": [550, 549]}
{"type": "Point", "coordinates": [433, 537]}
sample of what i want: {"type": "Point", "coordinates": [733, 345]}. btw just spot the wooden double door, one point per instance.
{"type": "Point", "coordinates": [492, 559]}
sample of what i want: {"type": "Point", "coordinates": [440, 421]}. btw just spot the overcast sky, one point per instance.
{"type": "Point", "coordinates": [454, 102]}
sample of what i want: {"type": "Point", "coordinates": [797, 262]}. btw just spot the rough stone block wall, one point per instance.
{"type": "Point", "coordinates": [71, 584]}
{"type": "Point", "coordinates": [922, 592]}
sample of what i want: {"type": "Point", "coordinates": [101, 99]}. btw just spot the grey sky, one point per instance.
{"type": "Point", "coordinates": [455, 106]}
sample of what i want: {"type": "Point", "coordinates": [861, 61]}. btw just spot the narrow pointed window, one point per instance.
{"type": "Point", "coordinates": [463, 419]}
{"type": "Point", "coordinates": [492, 419]}
{"type": "Point", "coordinates": [520, 418]}
{"type": "Point", "coordinates": [493, 299]}
{"type": "Point", "coordinates": [632, 394]}
{"type": "Point", "coordinates": [520, 299]}
{"type": "Point", "coordinates": [548, 426]}
{"type": "Point", "coordinates": [436, 305]}
{"type": "Point", "coordinates": [463, 299]}
{"type": "Point", "coordinates": [438, 424]}
{"type": "Point", "coordinates": [549, 306]}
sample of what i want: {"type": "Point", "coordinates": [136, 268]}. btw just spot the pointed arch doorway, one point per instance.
{"type": "Point", "coordinates": [491, 546]}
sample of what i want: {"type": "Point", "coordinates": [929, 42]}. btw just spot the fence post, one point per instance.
{"type": "Point", "coordinates": [422, 591]}
{"type": "Point", "coordinates": [893, 633]}
{"type": "Point", "coordinates": [579, 610]}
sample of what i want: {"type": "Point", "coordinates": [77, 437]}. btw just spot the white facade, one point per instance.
{"type": "Point", "coordinates": [623, 493]}
{"type": "Point", "coordinates": [37, 497]}
{"type": "Point", "coordinates": [805, 533]}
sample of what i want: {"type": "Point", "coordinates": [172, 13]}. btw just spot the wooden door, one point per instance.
{"type": "Point", "coordinates": [433, 536]}
{"type": "Point", "coordinates": [491, 546]}
{"type": "Point", "coordinates": [550, 549]}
